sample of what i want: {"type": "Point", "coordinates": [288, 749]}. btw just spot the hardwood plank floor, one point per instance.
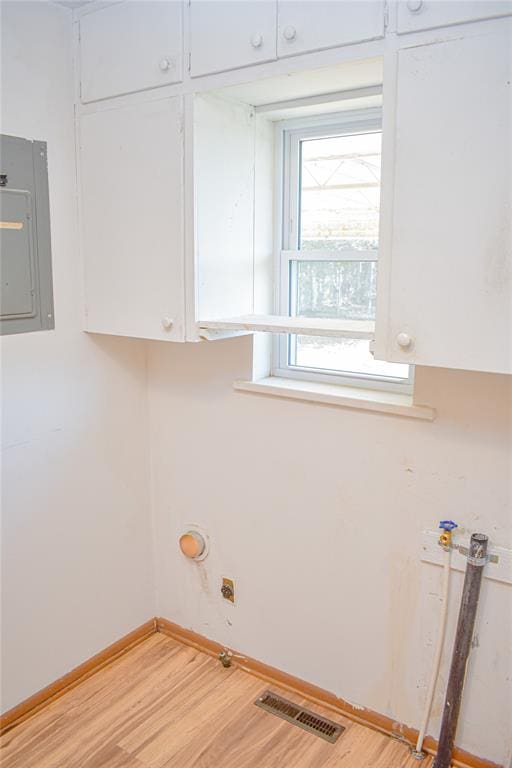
{"type": "Point", "coordinates": [165, 705]}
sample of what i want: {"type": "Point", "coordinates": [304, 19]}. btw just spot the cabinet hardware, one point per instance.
{"type": "Point", "coordinates": [404, 340]}
{"type": "Point", "coordinates": [289, 33]}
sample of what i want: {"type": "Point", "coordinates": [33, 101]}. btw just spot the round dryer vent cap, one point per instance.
{"type": "Point", "coordinates": [192, 544]}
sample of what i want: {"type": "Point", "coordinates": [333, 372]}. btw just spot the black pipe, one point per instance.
{"type": "Point", "coordinates": [477, 558]}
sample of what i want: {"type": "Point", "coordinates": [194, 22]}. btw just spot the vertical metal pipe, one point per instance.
{"type": "Point", "coordinates": [477, 558]}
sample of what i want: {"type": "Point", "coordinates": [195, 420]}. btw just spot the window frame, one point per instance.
{"type": "Point", "coordinates": [289, 134]}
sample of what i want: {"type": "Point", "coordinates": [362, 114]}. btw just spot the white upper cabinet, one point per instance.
{"type": "Point", "coordinates": [445, 273]}
{"type": "Point", "coordinates": [227, 34]}
{"type": "Point", "coordinates": [311, 25]}
{"type": "Point", "coordinates": [153, 268]}
{"type": "Point", "coordinates": [415, 15]}
{"type": "Point", "coordinates": [223, 184]}
{"type": "Point", "coordinates": [130, 46]}
{"type": "Point", "coordinates": [176, 191]}
{"type": "Point", "coordinates": [131, 206]}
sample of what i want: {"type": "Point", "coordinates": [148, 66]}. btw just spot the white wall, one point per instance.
{"type": "Point", "coordinates": [76, 565]}
{"type": "Point", "coordinates": [316, 511]}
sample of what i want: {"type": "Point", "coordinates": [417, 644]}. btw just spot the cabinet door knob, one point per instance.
{"type": "Point", "coordinates": [167, 323]}
{"type": "Point", "coordinates": [289, 33]}
{"type": "Point", "coordinates": [415, 5]}
{"type": "Point", "coordinates": [256, 41]}
{"type": "Point", "coordinates": [164, 65]}
{"type": "Point", "coordinates": [403, 340]}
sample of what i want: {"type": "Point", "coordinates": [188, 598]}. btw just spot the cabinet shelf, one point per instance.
{"type": "Point", "coordinates": [305, 326]}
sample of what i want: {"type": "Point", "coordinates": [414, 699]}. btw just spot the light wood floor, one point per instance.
{"type": "Point", "coordinates": [164, 704]}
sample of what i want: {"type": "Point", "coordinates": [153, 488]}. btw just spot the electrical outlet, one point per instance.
{"type": "Point", "coordinates": [228, 590]}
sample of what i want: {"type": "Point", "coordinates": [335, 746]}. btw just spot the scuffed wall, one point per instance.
{"type": "Point", "coordinates": [316, 512]}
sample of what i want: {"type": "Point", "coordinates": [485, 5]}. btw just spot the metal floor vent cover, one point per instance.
{"type": "Point", "coordinates": [296, 715]}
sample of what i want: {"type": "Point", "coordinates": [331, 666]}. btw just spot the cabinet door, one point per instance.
{"type": "Point", "coordinates": [130, 46]}
{"type": "Point", "coordinates": [310, 25]}
{"type": "Point", "coordinates": [414, 15]}
{"type": "Point", "coordinates": [447, 255]}
{"type": "Point", "coordinates": [227, 34]}
{"type": "Point", "coordinates": [131, 183]}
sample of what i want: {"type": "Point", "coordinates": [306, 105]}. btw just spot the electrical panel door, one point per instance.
{"type": "Point", "coordinates": [26, 296]}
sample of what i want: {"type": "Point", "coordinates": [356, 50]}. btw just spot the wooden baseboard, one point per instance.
{"type": "Point", "coordinates": [77, 675]}
{"type": "Point", "coordinates": [367, 717]}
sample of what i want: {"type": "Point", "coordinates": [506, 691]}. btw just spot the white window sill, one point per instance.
{"type": "Point", "coordinates": [393, 403]}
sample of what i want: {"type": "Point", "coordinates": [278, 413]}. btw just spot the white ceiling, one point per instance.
{"type": "Point", "coordinates": [72, 3]}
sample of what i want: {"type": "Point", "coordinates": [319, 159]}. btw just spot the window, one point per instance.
{"type": "Point", "coordinates": [330, 184]}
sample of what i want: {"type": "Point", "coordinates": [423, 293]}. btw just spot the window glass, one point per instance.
{"type": "Point", "coordinates": [340, 192]}
{"type": "Point", "coordinates": [331, 226]}
{"type": "Point", "coordinates": [341, 356]}
{"type": "Point", "coordinates": [340, 289]}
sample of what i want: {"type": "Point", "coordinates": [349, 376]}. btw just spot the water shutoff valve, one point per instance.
{"type": "Point", "coordinates": [447, 526]}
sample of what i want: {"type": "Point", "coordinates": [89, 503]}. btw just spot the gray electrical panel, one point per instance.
{"type": "Point", "coordinates": [26, 297]}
